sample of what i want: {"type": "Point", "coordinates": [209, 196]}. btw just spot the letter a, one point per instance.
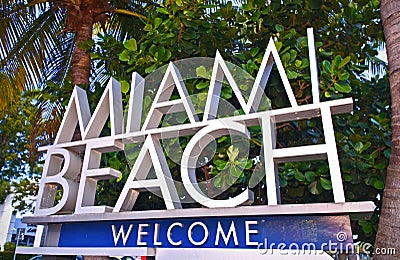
{"type": "Point", "coordinates": [151, 153]}
{"type": "Point", "coordinates": [162, 105]}
{"type": "Point", "coordinates": [271, 55]}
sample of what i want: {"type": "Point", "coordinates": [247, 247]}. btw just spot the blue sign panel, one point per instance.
{"type": "Point", "coordinates": [269, 232]}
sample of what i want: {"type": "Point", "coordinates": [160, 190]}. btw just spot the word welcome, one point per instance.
{"type": "Point", "coordinates": [226, 232]}
{"type": "Point", "coordinates": [198, 226]}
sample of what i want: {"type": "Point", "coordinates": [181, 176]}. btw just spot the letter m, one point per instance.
{"type": "Point", "coordinates": [226, 237]}
{"type": "Point", "coordinates": [78, 113]}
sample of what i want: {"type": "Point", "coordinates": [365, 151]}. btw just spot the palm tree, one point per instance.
{"type": "Point", "coordinates": [389, 223]}
{"type": "Point", "coordinates": [40, 40]}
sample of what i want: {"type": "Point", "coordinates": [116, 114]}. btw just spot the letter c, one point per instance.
{"type": "Point", "coordinates": [169, 231]}
{"type": "Point", "coordinates": [189, 164]}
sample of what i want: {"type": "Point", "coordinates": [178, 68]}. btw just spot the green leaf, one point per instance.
{"type": "Point", "coordinates": [310, 176]}
{"type": "Point", "coordinates": [201, 72]}
{"type": "Point", "coordinates": [202, 97]}
{"type": "Point", "coordinates": [344, 61]}
{"type": "Point", "coordinates": [291, 173]}
{"type": "Point", "coordinates": [347, 177]}
{"type": "Point", "coordinates": [278, 45]}
{"type": "Point", "coordinates": [86, 45]}
{"type": "Point", "coordinates": [379, 185]}
{"type": "Point", "coordinates": [222, 139]}
{"type": "Point", "coordinates": [358, 146]}
{"type": "Point", "coordinates": [153, 49]}
{"type": "Point", "coordinates": [218, 181]}
{"type": "Point", "coordinates": [342, 87]}
{"type": "Point", "coordinates": [286, 59]}
{"type": "Point", "coordinates": [300, 176]}
{"type": "Point", "coordinates": [202, 85]}
{"type": "Point", "coordinates": [125, 86]}
{"type": "Point", "coordinates": [365, 147]}
{"type": "Point", "coordinates": [293, 55]}
{"type": "Point", "coordinates": [181, 117]}
{"type": "Point", "coordinates": [131, 44]}
{"type": "Point", "coordinates": [254, 51]}
{"type": "Point", "coordinates": [367, 229]}
{"type": "Point", "coordinates": [235, 171]}
{"type": "Point", "coordinates": [344, 76]}
{"type": "Point", "coordinates": [304, 166]}
{"type": "Point", "coordinates": [189, 35]}
{"type": "Point", "coordinates": [327, 66]}
{"type": "Point", "coordinates": [147, 101]}
{"type": "Point", "coordinates": [249, 164]}
{"type": "Point", "coordinates": [292, 74]}
{"type": "Point", "coordinates": [282, 182]}
{"type": "Point", "coordinates": [374, 154]}
{"type": "Point", "coordinates": [148, 27]}
{"type": "Point", "coordinates": [160, 53]}
{"type": "Point", "coordinates": [131, 156]}
{"type": "Point", "coordinates": [247, 7]}
{"type": "Point", "coordinates": [214, 171]}
{"type": "Point", "coordinates": [232, 153]}
{"type": "Point", "coordinates": [279, 28]}
{"type": "Point", "coordinates": [150, 69]}
{"type": "Point", "coordinates": [157, 22]}
{"type": "Point", "coordinates": [124, 56]}
{"type": "Point", "coordinates": [162, 10]}
{"type": "Point", "coordinates": [95, 55]}
{"type": "Point", "coordinates": [114, 163]}
{"type": "Point", "coordinates": [336, 62]}
{"type": "Point", "coordinates": [226, 93]}
{"type": "Point", "coordinates": [167, 55]}
{"type": "Point", "coordinates": [355, 138]}
{"type": "Point", "coordinates": [380, 166]}
{"type": "Point", "coordinates": [386, 153]}
{"type": "Point", "coordinates": [326, 184]}
{"type": "Point", "coordinates": [220, 164]}
{"type": "Point", "coordinates": [230, 180]}
{"type": "Point", "coordinates": [325, 53]}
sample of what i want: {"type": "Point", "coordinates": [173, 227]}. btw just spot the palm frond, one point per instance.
{"type": "Point", "coordinates": [122, 25]}
{"type": "Point", "coordinates": [32, 47]}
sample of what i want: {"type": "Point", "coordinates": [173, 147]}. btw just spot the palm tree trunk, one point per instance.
{"type": "Point", "coordinates": [80, 64]}
{"type": "Point", "coordinates": [389, 224]}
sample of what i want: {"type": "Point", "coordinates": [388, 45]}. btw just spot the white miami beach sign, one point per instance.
{"type": "Point", "coordinates": [64, 166]}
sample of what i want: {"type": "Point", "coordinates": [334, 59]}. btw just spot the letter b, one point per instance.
{"type": "Point", "coordinates": [60, 169]}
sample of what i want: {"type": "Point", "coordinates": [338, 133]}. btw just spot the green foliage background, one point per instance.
{"type": "Point", "coordinates": [348, 34]}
